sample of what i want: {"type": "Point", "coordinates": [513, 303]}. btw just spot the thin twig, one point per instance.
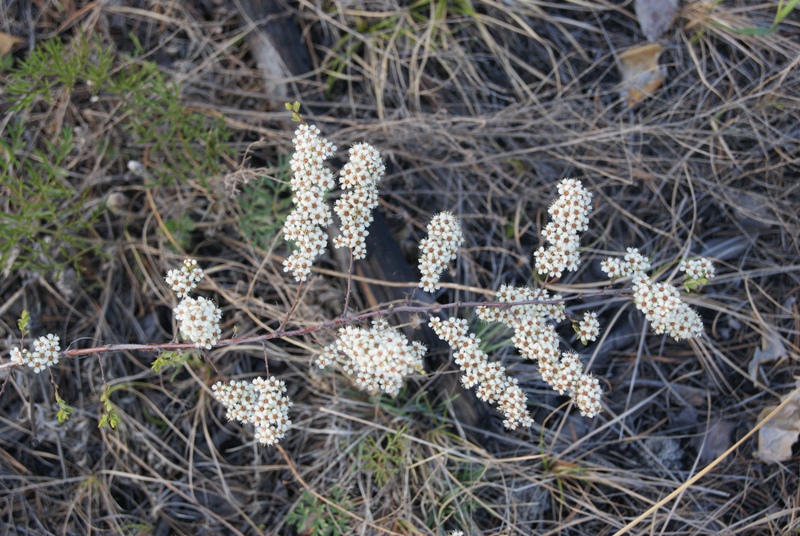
{"type": "Point", "coordinates": [349, 285]}
{"type": "Point", "coordinates": [294, 306]}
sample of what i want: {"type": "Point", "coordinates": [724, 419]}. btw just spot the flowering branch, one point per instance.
{"type": "Point", "coordinates": [331, 324]}
{"type": "Point", "coordinates": [381, 357]}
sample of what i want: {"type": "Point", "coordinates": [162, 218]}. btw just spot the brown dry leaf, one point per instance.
{"type": "Point", "coordinates": [641, 74]}
{"type": "Point", "coordinates": [771, 349]}
{"type": "Point", "coordinates": [775, 438]}
{"type": "Point", "coordinates": [655, 16]}
{"type": "Point", "coordinates": [7, 42]}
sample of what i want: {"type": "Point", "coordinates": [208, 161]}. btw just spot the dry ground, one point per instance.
{"type": "Point", "coordinates": [479, 108]}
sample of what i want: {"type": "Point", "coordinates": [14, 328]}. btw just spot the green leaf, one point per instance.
{"type": "Point", "coordinates": [694, 284]}
{"type": "Point", "coordinates": [170, 359]}
{"type": "Point", "coordinates": [294, 107]}
{"type": "Point", "coordinates": [110, 416]}
{"type": "Point", "coordinates": [783, 11]}
{"type": "Point", "coordinates": [64, 410]}
{"type": "Point", "coordinates": [755, 31]}
{"type": "Point", "coordinates": [23, 322]}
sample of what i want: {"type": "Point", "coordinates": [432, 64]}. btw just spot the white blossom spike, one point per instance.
{"type": "Point", "coordinates": [569, 215]}
{"type": "Point", "coordinates": [438, 249]}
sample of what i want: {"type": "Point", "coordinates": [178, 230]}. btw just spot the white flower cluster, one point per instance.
{"type": "Point", "coordinates": [438, 249]}
{"type": "Point", "coordinates": [184, 281]}
{"type": "Point", "coordinates": [198, 318]}
{"type": "Point", "coordinates": [261, 403]}
{"type": "Point", "coordinates": [697, 269]}
{"type": "Point", "coordinates": [633, 263]}
{"type": "Point", "coordinates": [589, 328]}
{"type": "Point", "coordinates": [199, 321]}
{"type": "Point", "coordinates": [587, 394]}
{"type": "Point", "coordinates": [359, 179]}
{"type": "Point", "coordinates": [660, 302]}
{"type": "Point", "coordinates": [493, 384]}
{"type": "Point", "coordinates": [306, 224]}
{"type": "Point", "coordinates": [569, 215]}
{"type": "Point", "coordinates": [44, 354]}
{"type": "Point", "coordinates": [380, 358]}
{"type": "Point", "coordinates": [536, 339]}
{"type": "Point", "coordinates": [662, 305]}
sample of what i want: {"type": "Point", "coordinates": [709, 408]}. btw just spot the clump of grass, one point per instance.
{"type": "Point", "coordinates": [54, 68]}
{"type": "Point", "coordinates": [48, 209]}
{"type": "Point", "coordinates": [384, 457]}
{"type": "Point", "coordinates": [315, 518]}
{"type": "Point", "coordinates": [182, 143]}
{"type": "Point", "coordinates": [45, 223]}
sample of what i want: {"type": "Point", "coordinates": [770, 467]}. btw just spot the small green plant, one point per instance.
{"type": "Point", "coordinates": [457, 504]}
{"type": "Point", "coordinates": [55, 67]}
{"type": "Point", "coordinates": [183, 142]}
{"type": "Point", "coordinates": [264, 205]}
{"type": "Point", "coordinates": [384, 457]}
{"type": "Point", "coordinates": [783, 10]}
{"type": "Point", "coordinates": [23, 322]}
{"type": "Point", "coordinates": [44, 220]}
{"type": "Point", "coordinates": [493, 336]}
{"type": "Point", "coordinates": [64, 410]}
{"type": "Point", "coordinates": [316, 518]}
{"type": "Point", "coordinates": [110, 416]}
{"type": "Point", "coordinates": [294, 107]}
{"type": "Point", "coordinates": [181, 228]}
{"type": "Point", "coordinates": [170, 360]}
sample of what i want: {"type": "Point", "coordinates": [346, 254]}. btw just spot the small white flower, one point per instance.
{"type": "Point", "coordinates": [662, 306]}
{"type": "Point", "coordinates": [635, 262]}
{"type": "Point", "coordinates": [566, 373]}
{"type": "Point", "coordinates": [613, 268]}
{"type": "Point", "coordinates": [587, 395]}
{"type": "Point", "coordinates": [311, 180]}
{"type": "Point", "coordinates": [493, 385]}
{"type": "Point", "coordinates": [537, 339]}
{"type": "Point", "coordinates": [589, 328]}
{"type": "Point", "coordinates": [18, 356]}
{"type": "Point", "coordinates": [184, 280]}
{"type": "Point", "coordinates": [359, 179]}
{"type": "Point", "coordinates": [698, 269]}
{"type": "Point", "coordinates": [534, 337]}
